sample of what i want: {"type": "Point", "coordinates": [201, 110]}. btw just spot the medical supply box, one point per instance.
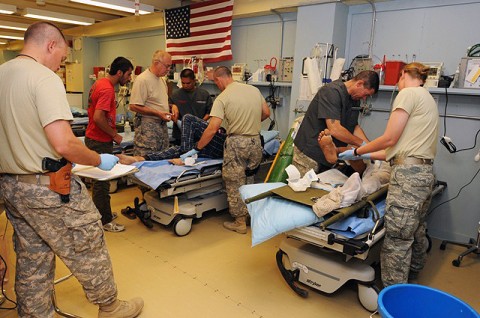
{"type": "Point", "coordinates": [392, 72]}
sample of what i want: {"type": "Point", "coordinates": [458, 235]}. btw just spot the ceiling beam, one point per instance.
{"type": "Point", "coordinates": [65, 6]}
{"type": "Point", "coordinates": [148, 22]}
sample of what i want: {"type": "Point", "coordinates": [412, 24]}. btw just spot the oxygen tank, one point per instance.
{"type": "Point", "coordinates": [284, 156]}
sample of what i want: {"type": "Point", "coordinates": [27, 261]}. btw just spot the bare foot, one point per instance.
{"type": "Point", "coordinates": [328, 147]}
{"type": "Point", "coordinates": [177, 161]}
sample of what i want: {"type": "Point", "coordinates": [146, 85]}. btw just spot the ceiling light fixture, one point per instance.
{"type": "Point", "coordinates": [10, 36]}
{"type": "Point", "coordinates": [13, 26]}
{"type": "Point", "coordinates": [7, 8]}
{"type": "Point", "coordinates": [2, 42]}
{"type": "Point", "coordinates": [57, 17]}
{"type": "Point", "coordinates": [119, 5]}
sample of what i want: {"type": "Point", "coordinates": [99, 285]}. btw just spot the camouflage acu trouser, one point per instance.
{"type": "Point", "coordinates": [241, 153]}
{"type": "Point", "coordinates": [303, 162]}
{"type": "Point", "coordinates": [151, 135]}
{"type": "Point", "coordinates": [45, 227]}
{"type": "Point", "coordinates": [405, 245]}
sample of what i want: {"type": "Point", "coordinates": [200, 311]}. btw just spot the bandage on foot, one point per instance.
{"type": "Point", "coordinates": [328, 147]}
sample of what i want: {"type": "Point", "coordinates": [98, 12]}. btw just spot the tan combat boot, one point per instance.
{"type": "Point", "coordinates": [239, 225]}
{"type": "Point", "coordinates": [121, 309]}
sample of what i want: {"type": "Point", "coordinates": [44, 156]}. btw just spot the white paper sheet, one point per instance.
{"type": "Point", "coordinates": [119, 170]}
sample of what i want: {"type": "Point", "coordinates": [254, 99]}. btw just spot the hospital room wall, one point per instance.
{"type": "Point", "coordinates": [324, 23]}
{"type": "Point", "coordinates": [254, 41]}
{"type": "Point", "coordinates": [424, 28]}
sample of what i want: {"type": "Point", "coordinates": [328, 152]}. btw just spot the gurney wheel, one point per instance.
{"type": "Point", "coordinates": [368, 296]}
{"type": "Point", "coordinates": [182, 226]}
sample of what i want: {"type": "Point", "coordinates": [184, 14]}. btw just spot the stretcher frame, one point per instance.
{"type": "Point", "coordinates": [325, 261]}
{"type": "Point", "coordinates": [178, 201]}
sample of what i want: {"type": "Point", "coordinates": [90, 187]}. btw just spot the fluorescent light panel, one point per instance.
{"type": "Point", "coordinates": [10, 36]}
{"type": "Point", "coordinates": [13, 26]}
{"type": "Point", "coordinates": [119, 5]}
{"type": "Point", "coordinates": [57, 17]}
{"type": "Point", "coordinates": [7, 8]}
{"type": "Point", "coordinates": [2, 42]}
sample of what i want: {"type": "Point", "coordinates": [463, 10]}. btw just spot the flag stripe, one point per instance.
{"type": "Point", "coordinates": [201, 47]}
{"type": "Point", "coordinates": [208, 5]}
{"type": "Point", "coordinates": [206, 32]}
{"type": "Point", "coordinates": [212, 22]}
{"type": "Point", "coordinates": [195, 14]}
{"type": "Point", "coordinates": [206, 37]}
{"type": "Point", "coordinates": [201, 30]}
{"type": "Point", "coordinates": [215, 57]}
{"type": "Point", "coordinates": [200, 52]}
{"type": "Point", "coordinates": [199, 42]}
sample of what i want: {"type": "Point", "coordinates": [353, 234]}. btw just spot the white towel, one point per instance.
{"type": "Point", "coordinates": [305, 93]}
{"type": "Point", "coordinates": [313, 73]}
{"type": "Point", "coordinates": [337, 69]}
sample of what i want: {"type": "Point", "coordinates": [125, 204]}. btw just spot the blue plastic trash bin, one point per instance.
{"type": "Point", "coordinates": [411, 300]}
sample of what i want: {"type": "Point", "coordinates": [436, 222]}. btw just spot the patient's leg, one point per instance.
{"type": "Point", "coordinates": [192, 129]}
{"type": "Point", "coordinates": [357, 165]}
{"type": "Point", "coordinates": [330, 151]}
{"type": "Point", "coordinates": [328, 147]}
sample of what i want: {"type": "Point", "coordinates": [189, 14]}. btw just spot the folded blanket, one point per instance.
{"type": "Point", "coordinates": [154, 173]}
{"type": "Point", "coordinates": [354, 226]}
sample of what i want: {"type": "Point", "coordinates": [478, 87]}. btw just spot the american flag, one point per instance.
{"type": "Point", "coordinates": [202, 29]}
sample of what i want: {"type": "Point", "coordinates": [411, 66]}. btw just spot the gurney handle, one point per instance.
{"type": "Point", "coordinates": [290, 276]}
{"type": "Point", "coordinates": [259, 197]}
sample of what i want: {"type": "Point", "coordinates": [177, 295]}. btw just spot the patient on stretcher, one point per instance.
{"type": "Point", "coordinates": [375, 176]}
{"type": "Point", "coordinates": [192, 129]}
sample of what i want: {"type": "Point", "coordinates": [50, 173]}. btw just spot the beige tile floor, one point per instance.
{"type": "Point", "coordinates": [212, 272]}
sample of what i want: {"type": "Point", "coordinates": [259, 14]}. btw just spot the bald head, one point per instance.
{"type": "Point", "coordinates": [222, 71]}
{"type": "Point", "coordinates": [46, 44]}
{"type": "Point", "coordinates": [222, 76]}
{"type": "Point", "coordinates": [42, 32]}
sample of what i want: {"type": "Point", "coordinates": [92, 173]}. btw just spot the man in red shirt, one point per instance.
{"type": "Point", "coordinates": [101, 131]}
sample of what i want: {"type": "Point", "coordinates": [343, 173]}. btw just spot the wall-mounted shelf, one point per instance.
{"type": "Point", "coordinates": [441, 90]}
{"type": "Point", "coordinates": [279, 84]}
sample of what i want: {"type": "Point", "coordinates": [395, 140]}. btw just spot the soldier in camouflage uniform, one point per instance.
{"type": "Point", "coordinates": [243, 108]}
{"type": "Point", "coordinates": [410, 144]}
{"type": "Point", "coordinates": [34, 124]}
{"type": "Point", "coordinates": [149, 99]}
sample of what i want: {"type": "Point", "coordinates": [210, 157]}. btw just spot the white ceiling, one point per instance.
{"type": "Point", "coordinates": [65, 6]}
{"type": "Point", "coordinates": [101, 15]}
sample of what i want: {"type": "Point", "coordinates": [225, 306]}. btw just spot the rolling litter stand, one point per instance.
{"type": "Point", "coordinates": [54, 299]}
{"type": "Point", "coordinates": [472, 247]}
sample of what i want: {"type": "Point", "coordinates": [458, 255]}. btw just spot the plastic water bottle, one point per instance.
{"type": "Point", "coordinates": [127, 129]}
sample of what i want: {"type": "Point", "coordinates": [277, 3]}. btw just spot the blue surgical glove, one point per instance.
{"type": "Point", "coordinates": [107, 161]}
{"type": "Point", "coordinates": [349, 155]}
{"type": "Point", "coordinates": [366, 156]}
{"type": "Point", "coordinates": [189, 154]}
